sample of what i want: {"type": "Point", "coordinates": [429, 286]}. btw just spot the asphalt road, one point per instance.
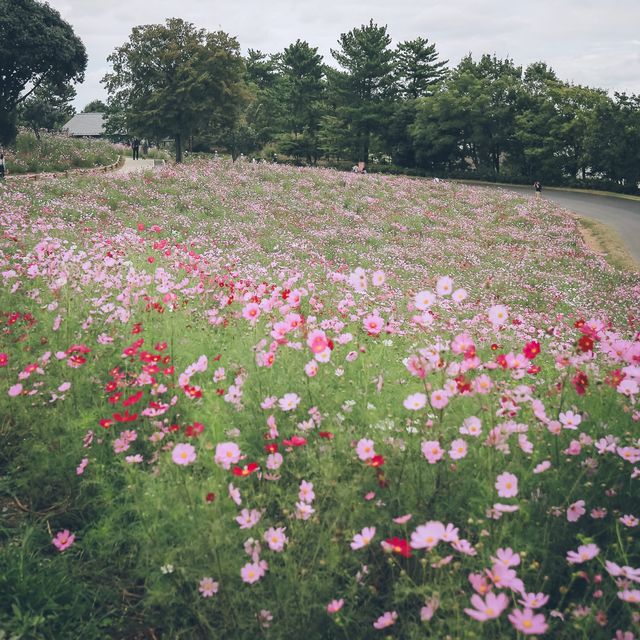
{"type": "Point", "coordinates": [619, 213]}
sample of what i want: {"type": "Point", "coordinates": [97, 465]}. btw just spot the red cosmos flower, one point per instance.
{"type": "Point", "coordinates": [216, 359]}
{"type": "Point", "coordinates": [137, 328]}
{"type": "Point", "coordinates": [76, 361]}
{"type": "Point", "coordinates": [272, 447]}
{"type": "Point", "coordinates": [151, 259]}
{"type": "Point", "coordinates": [219, 392]}
{"type": "Point", "coordinates": [579, 323]}
{"type": "Point", "coordinates": [78, 348]}
{"type": "Point", "coordinates": [4, 359]}
{"type": "Point", "coordinates": [614, 378]}
{"type": "Point", "coordinates": [531, 349]}
{"type": "Point", "coordinates": [376, 461]}
{"type": "Point", "coordinates": [470, 353]}
{"type": "Point", "coordinates": [115, 398]}
{"type": "Point", "coordinates": [294, 441]}
{"type": "Point", "coordinates": [169, 371]}
{"type": "Point", "coordinates": [285, 293]}
{"type": "Point", "coordinates": [140, 226]}
{"type": "Point", "coordinates": [112, 385]}
{"type": "Point", "coordinates": [533, 369]}
{"type": "Point", "coordinates": [136, 397]}
{"type": "Point", "coordinates": [464, 386]}
{"type": "Point", "coordinates": [502, 360]}
{"type": "Point", "coordinates": [106, 424]}
{"type": "Point", "coordinates": [580, 382]}
{"type": "Point", "coordinates": [174, 427]}
{"type": "Point", "coordinates": [210, 497]}
{"type": "Point", "coordinates": [161, 346]}
{"type": "Point", "coordinates": [192, 391]}
{"type": "Point", "coordinates": [151, 369]}
{"type": "Point", "coordinates": [495, 347]}
{"type": "Point", "coordinates": [399, 546]}
{"type": "Point", "coordinates": [125, 417]}
{"type": "Point", "coordinates": [147, 357]}
{"type": "Point", "coordinates": [585, 344]}
{"type": "Point", "coordinates": [194, 430]}
{"type": "Point", "coordinates": [327, 435]}
{"type": "Point", "coordinates": [246, 470]}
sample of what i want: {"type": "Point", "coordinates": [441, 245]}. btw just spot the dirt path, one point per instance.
{"type": "Point", "coordinates": [130, 165]}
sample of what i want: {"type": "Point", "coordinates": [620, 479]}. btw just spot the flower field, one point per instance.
{"type": "Point", "coordinates": [57, 152]}
{"type": "Point", "coordinates": [248, 400]}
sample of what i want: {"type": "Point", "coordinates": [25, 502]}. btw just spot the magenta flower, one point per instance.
{"type": "Point", "coordinates": [576, 511]}
{"type": "Point", "coordinates": [491, 607]}
{"type": "Point", "coordinates": [208, 587]}
{"type": "Point", "coordinates": [15, 390]}
{"type": "Point", "coordinates": [363, 538]}
{"type": "Point", "coordinates": [335, 605]}
{"type": "Point", "coordinates": [585, 552]}
{"type": "Point", "coordinates": [507, 485]}
{"type": "Point", "coordinates": [63, 540]}
{"type": "Point", "coordinates": [183, 454]}
{"type": "Point", "coordinates": [528, 622]}
{"type": "Point", "coordinates": [387, 619]}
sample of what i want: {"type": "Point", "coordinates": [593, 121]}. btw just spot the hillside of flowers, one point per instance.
{"type": "Point", "coordinates": [56, 152]}
{"type": "Point", "coordinates": [254, 401]}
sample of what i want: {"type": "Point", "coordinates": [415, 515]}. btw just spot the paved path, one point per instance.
{"type": "Point", "coordinates": [130, 165]}
{"type": "Point", "coordinates": [619, 213]}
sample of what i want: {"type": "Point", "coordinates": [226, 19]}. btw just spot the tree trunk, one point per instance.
{"type": "Point", "coordinates": [178, 147]}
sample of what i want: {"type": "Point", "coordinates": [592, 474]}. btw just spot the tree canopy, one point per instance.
{"type": "Point", "coordinates": [37, 47]}
{"type": "Point", "coordinates": [174, 80]}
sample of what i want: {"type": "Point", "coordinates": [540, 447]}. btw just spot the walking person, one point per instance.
{"type": "Point", "coordinates": [135, 145]}
{"type": "Point", "coordinates": [1, 165]}
{"type": "Point", "coordinates": [538, 187]}
{"type": "Point", "coordinates": [145, 147]}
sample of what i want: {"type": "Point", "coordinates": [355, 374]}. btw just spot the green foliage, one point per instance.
{"type": "Point", "coordinates": [47, 152]}
{"type": "Point", "coordinates": [48, 107]}
{"type": "Point", "coordinates": [175, 81]}
{"type": "Point", "coordinates": [95, 106]}
{"type": "Point", "coordinates": [36, 47]}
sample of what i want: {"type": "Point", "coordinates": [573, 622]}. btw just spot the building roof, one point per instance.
{"type": "Point", "coordinates": [85, 124]}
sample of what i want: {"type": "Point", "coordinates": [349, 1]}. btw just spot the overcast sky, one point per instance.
{"type": "Point", "coordinates": [590, 42]}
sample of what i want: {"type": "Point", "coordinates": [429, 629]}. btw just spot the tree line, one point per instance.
{"type": "Point", "coordinates": [397, 108]}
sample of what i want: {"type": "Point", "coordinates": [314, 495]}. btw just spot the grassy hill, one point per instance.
{"type": "Point", "coordinates": [259, 401]}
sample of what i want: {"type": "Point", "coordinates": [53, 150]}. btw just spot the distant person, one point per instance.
{"type": "Point", "coordinates": [145, 147]}
{"type": "Point", "coordinates": [538, 187]}
{"type": "Point", "coordinates": [1, 165]}
{"type": "Point", "coordinates": [135, 146]}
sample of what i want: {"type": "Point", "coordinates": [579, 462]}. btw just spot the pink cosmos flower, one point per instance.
{"type": "Point", "coordinates": [208, 587]}
{"type": "Point", "coordinates": [227, 454]}
{"type": "Point", "coordinates": [432, 451]}
{"type": "Point", "coordinates": [248, 519]}
{"type": "Point", "coordinates": [363, 538]}
{"type": "Point", "coordinates": [533, 600]}
{"type": "Point", "coordinates": [498, 315]}
{"type": "Point", "coordinates": [576, 511]}
{"type": "Point", "coordinates": [507, 557]}
{"type": "Point", "coordinates": [629, 521]}
{"type": "Point", "coordinates": [472, 426]}
{"type": "Point", "coordinates": [415, 401]}
{"type": "Point", "coordinates": [403, 519]}
{"type": "Point", "coordinates": [15, 390]}
{"type": "Point", "coordinates": [630, 595]}
{"type": "Point", "coordinates": [274, 461]}
{"type": "Point", "coordinates": [491, 607]}
{"type": "Point", "coordinates": [430, 607]}
{"type": "Point", "coordinates": [251, 312]}
{"type": "Point", "coordinates": [335, 605]}
{"type": "Point", "coordinates": [585, 552]}
{"type": "Point", "coordinates": [183, 454]}
{"type": "Point", "coordinates": [507, 485]}
{"type": "Point", "coordinates": [252, 572]}
{"type": "Point", "coordinates": [365, 449]}
{"type": "Point", "coordinates": [527, 622]}
{"type": "Point", "coordinates": [289, 401]}
{"type": "Point", "coordinates": [304, 511]}
{"type": "Point", "coordinates": [444, 286]}
{"type": "Point", "coordinates": [385, 620]}
{"type": "Point", "coordinates": [82, 466]}
{"type": "Point", "coordinates": [439, 399]}
{"type": "Point", "coordinates": [459, 295]}
{"type": "Point", "coordinates": [427, 536]}
{"type": "Point", "coordinates": [317, 341]}
{"type": "Point", "coordinates": [63, 540]}
{"type": "Point", "coordinates": [378, 278]}
{"type": "Point", "coordinates": [373, 324]}
{"type": "Point", "coordinates": [276, 538]}
{"type": "Point", "coordinates": [570, 420]}
{"type": "Point", "coordinates": [504, 577]}
{"type": "Point", "coordinates": [542, 467]}
{"type": "Point", "coordinates": [311, 368]}
{"type": "Point", "coordinates": [423, 300]}
{"type": "Point", "coordinates": [234, 494]}
{"type": "Point", "coordinates": [458, 449]}
{"type": "Point", "coordinates": [306, 494]}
